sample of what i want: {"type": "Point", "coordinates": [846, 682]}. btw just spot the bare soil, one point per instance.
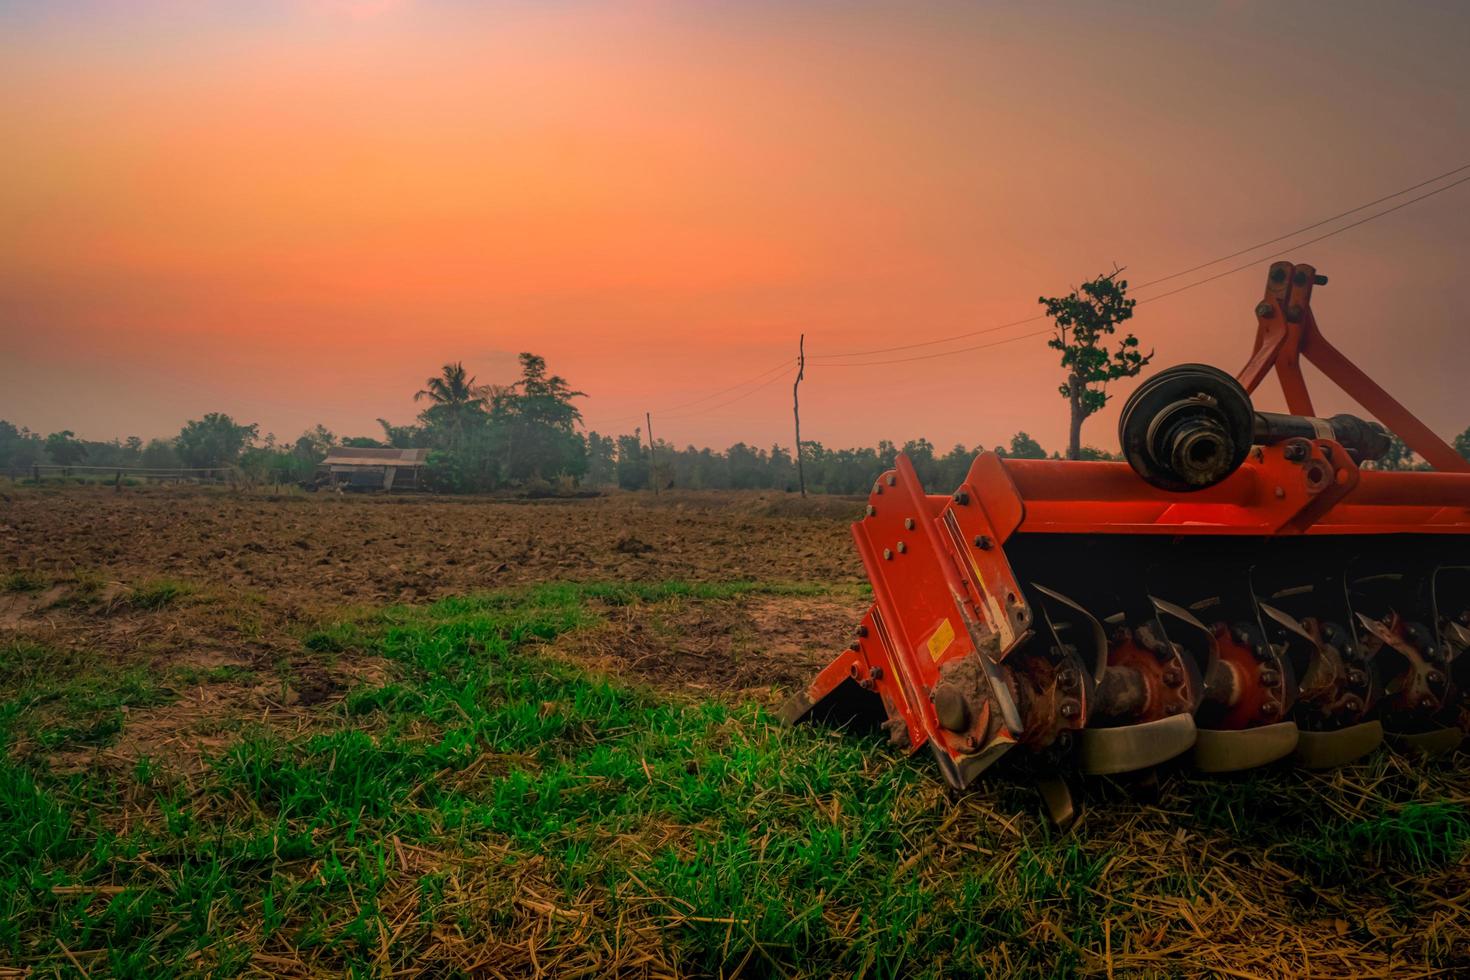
{"type": "Point", "coordinates": [214, 591]}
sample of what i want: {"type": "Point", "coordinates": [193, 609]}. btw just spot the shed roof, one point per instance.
{"type": "Point", "coordinates": [348, 456]}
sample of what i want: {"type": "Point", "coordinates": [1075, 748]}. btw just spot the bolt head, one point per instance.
{"type": "Point", "coordinates": [872, 510]}
{"type": "Point", "coordinates": [861, 631]}
{"type": "Point", "coordinates": [1172, 677]}
{"type": "Point", "coordinates": [908, 523]}
{"type": "Point", "coordinates": [1265, 311]}
{"type": "Point", "coordinates": [983, 542]}
{"type": "Point", "coordinates": [1270, 709]}
{"type": "Point", "coordinates": [1269, 678]}
{"type": "Point", "coordinates": [1069, 710]}
{"type": "Point", "coordinates": [888, 554]}
{"type": "Point", "coordinates": [902, 547]}
{"type": "Point", "coordinates": [961, 498]}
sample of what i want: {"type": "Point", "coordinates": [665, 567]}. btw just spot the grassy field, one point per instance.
{"type": "Point", "coordinates": [257, 736]}
{"type": "Point", "coordinates": [489, 807]}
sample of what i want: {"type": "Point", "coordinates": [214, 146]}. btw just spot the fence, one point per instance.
{"type": "Point", "coordinates": [41, 472]}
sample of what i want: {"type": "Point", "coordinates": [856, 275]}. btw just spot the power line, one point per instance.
{"type": "Point", "coordinates": [739, 397]}
{"type": "Point", "coordinates": [1315, 224]}
{"type": "Point", "coordinates": [1174, 275]}
{"type": "Point", "coordinates": [942, 353]}
{"type": "Point", "coordinates": [1200, 282]}
{"type": "Point", "coordinates": [703, 398]}
{"type": "Point", "coordinates": [1311, 241]}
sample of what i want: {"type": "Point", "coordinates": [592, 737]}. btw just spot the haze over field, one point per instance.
{"type": "Point", "coordinates": [295, 211]}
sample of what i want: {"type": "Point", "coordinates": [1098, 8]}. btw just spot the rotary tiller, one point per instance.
{"type": "Point", "coordinates": [1239, 589]}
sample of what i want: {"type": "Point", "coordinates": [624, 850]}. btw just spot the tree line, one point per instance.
{"type": "Point", "coordinates": [529, 435]}
{"type": "Point", "coordinates": [522, 436]}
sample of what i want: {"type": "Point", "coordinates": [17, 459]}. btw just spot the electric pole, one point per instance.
{"type": "Point", "coordinates": [796, 408]}
{"type": "Point", "coordinates": [652, 455]}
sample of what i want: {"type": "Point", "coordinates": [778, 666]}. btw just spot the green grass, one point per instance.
{"type": "Point", "coordinates": [156, 594]}
{"type": "Point", "coordinates": [488, 793]}
{"type": "Point", "coordinates": [23, 581]}
{"type": "Point", "coordinates": [59, 699]}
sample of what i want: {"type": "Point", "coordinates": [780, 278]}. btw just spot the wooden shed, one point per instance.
{"type": "Point", "coordinates": [373, 469]}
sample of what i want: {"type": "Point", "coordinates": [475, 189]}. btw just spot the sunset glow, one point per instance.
{"type": "Point", "coordinates": [295, 212]}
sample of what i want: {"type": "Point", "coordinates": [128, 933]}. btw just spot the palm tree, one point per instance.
{"type": "Point", "coordinates": [455, 398]}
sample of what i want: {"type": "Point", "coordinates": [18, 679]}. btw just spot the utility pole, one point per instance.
{"type": "Point", "coordinates": [796, 408]}
{"type": "Point", "coordinates": [652, 456]}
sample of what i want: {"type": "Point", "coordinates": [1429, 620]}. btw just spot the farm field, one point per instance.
{"type": "Point", "coordinates": [305, 735]}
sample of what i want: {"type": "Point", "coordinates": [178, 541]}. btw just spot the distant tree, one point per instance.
{"type": "Point", "coordinates": [133, 445]}
{"type": "Point", "coordinates": [64, 448]}
{"type": "Point", "coordinates": [214, 440]}
{"type": "Point", "coordinates": [159, 454]}
{"type": "Point", "coordinates": [456, 402]}
{"type": "Point", "coordinates": [1084, 319]}
{"type": "Point", "coordinates": [1462, 443]}
{"type": "Point", "coordinates": [538, 422]}
{"type": "Point", "coordinates": [403, 436]}
{"type": "Point", "coordinates": [1025, 447]}
{"type": "Point", "coordinates": [632, 465]}
{"type": "Point", "coordinates": [313, 444]}
{"type": "Point", "coordinates": [20, 448]}
{"type": "Point", "coordinates": [601, 460]}
{"type": "Point", "coordinates": [363, 442]}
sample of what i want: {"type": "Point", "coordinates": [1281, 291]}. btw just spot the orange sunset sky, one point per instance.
{"type": "Point", "coordinates": [294, 212]}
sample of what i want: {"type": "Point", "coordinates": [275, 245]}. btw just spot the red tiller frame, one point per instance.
{"type": "Point", "coordinates": [948, 609]}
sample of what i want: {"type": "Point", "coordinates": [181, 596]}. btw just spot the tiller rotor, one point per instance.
{"type": "Point", "coordinates": [1240, 589]}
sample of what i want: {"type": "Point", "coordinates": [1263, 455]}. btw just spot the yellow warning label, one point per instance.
{"type": "Point", "coordinates": [940, 640]}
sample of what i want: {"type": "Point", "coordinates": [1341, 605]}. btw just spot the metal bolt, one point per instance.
{"type": "Point", "coordinates": [1269, 677]}
{"type": "Point", "coordinates": [1295, 451]}
{"type": "Point", "coordinates": [1270, 709]}
{"type": "Point", "coordinates": [861, 631]}
{"type": "Point", "coordinates": [1427, 703]}
{"type": "Point", "coordinates": [908, 523]}
{"type": "Point", "coordinates": [1293, 313]}
{"type": "Point", "coordinates": [1300, 279]}
{"type": "Point", "coordinates": [876, 673]}
{"type": "Point", "coordinates": [1278, 274]}
{"type": "Point", "coordinates": [1069, 709]}
{"type": "Point", "coordinates": [1067, 680]}
{"type": "Point", "coordinates": [1265, 311]}
{"type": "Point", "coordinates": [1352, 704]}
{"type": "Point", "coordinates": [872, 510]}
{"type": "Point", "coordinates": [1172, 677]}
{"type": "Point", "coordinates": [961, 498]}
{"type": "Point", "coordinates": [902, 547]}
{"type": "Point", "coordinates": [1435, 678]}
{"type": "Point", "coordinates": [1280, 492]}
{"type": "Point", "coordinates": [1173, 709]}
{"type": "Point", "coordinates": [982, 541]}
{"type": "Point", "coordinates": [888, 554]}
{"type": "Point", "coordinates": [1356, 677]}
{"type": "Point", "coordinates": [892, 480]}
{"type": "Point", "coordinates": [854, 646]}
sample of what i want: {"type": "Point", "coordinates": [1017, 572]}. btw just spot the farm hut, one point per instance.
{"type": "Point", "coordinates": [373, 469]}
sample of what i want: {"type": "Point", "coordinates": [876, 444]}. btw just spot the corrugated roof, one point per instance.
{"type": "Point", "coordinates": [375, 457]}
